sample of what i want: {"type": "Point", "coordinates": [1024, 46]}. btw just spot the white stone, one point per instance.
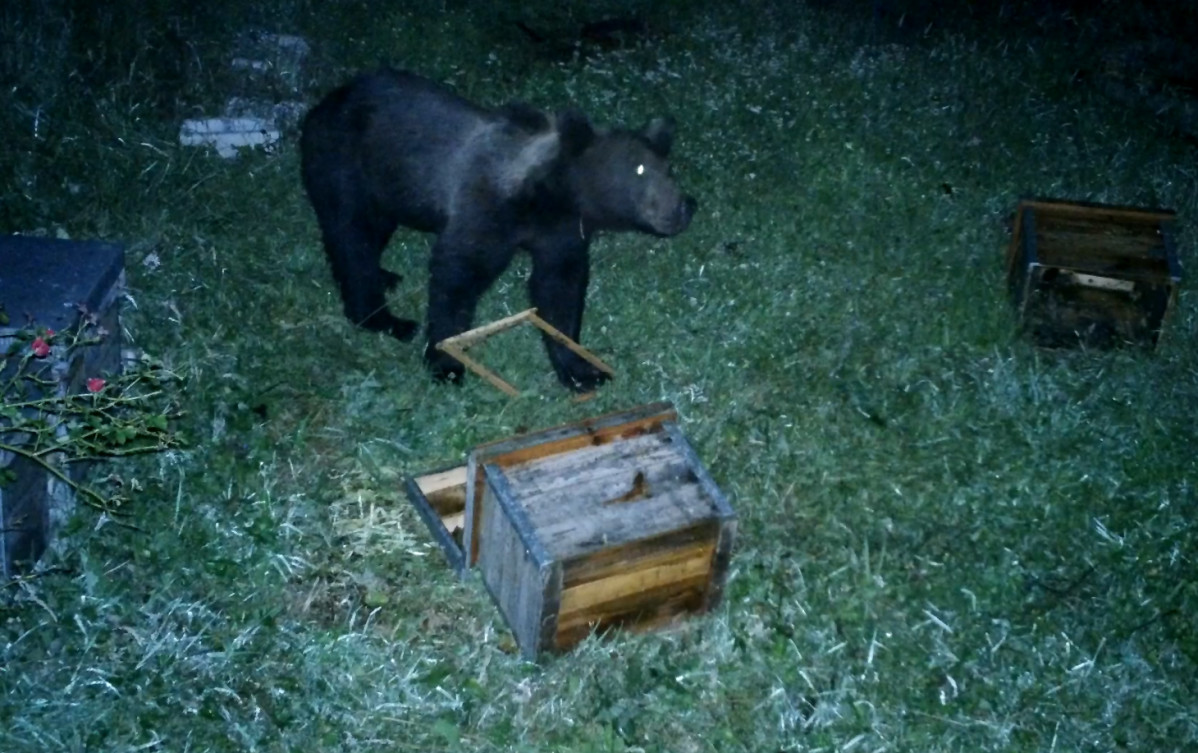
{"type": "Point", "coordinates": [227, 135]}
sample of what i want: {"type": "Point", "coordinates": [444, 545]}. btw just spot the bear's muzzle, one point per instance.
{"type": "Point", "coordinates": [677, 220]}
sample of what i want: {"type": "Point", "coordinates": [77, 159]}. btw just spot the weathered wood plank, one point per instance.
{"type": "Point", "coordinates": [442, 509]}
{"type": "Point", "coordinates": [597, 430]}
{"type": "Point", "coordinates": [431, 483]}
{"type": "Point", "coordinates": [512, 576]}
{"type": "Point", "coordinates": [647, 575]}
{"type": "Point", "coordinates": [644, 611]}
{"type": "Point", "coordinates": [612, 525]}
{"type": "Point", "coordinates": [1103, 212]}
{"type": "Point", "coordinates": [601, 563]}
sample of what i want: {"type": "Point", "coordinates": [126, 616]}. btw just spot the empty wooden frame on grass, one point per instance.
{"type": "Point", "coordinates": [456, 346]}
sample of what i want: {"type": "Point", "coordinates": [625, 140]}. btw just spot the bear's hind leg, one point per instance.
{"type": "Point", "coordinates": [354, 236]}
{"type": "Point", "coordinates": [354, 252]}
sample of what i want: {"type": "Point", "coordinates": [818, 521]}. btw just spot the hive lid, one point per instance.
{"type": "Point", "coordinates": [43, 278]}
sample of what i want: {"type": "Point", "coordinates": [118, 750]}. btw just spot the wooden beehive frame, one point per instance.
{"type": "Point", "coordinates": [456, 347]}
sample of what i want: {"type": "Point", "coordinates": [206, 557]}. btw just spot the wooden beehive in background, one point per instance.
{"type": "Point", "coordinates": [1092, 275]}
{"type": "Point", "coordinates": [607, 522]}
{"type": "Point", "coordinates": [49, 284]}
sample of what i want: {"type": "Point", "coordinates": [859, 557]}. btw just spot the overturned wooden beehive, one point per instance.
{"type": "Point", "coordinates": [1092, 275]}
{"type": "Point", "coordinates": [608, 522]}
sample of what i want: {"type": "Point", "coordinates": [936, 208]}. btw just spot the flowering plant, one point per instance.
{"type": "Point", "coordinates": [54, 417]}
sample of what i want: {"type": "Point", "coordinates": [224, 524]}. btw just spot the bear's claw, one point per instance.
{"type": "Point", "coordinates": [582, 376]}
{"type": "Point", "coordinates": [444, 368]}
{"type": "Point", "coordinates": [382, 321]}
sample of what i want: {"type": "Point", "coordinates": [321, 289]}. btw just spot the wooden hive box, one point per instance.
{"type": "Point", "coordinates": [608, 522]}
{"type": "Point", "coordinates": [1092, 275]}
{"type": "Point", "coordinates": [45, 281]}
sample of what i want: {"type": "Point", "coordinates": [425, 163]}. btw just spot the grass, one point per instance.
{"type": "Point", "coordinates": [949, 540]}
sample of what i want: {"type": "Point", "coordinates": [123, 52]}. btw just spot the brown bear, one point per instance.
{"type": "Point", "coordinates": [391, 148]}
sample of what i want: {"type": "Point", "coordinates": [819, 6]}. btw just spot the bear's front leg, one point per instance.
{"type": "Point", "coordinates": [459, 273]}
{"type": "Point", "coordinates": [558, 288]}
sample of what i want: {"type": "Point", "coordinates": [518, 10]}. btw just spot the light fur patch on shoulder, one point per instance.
{"type": "Point", "coordinates": [532, 162]}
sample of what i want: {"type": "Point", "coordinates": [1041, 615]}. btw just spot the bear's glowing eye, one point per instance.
{"type": "Point", "coordinates": [640, 169]}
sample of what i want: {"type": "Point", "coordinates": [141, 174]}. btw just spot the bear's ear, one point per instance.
{"type": "Point", "coordinates": [660, 134]}
{"type": "Point", "coordinates": [575, 131]}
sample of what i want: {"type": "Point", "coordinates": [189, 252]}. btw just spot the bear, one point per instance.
{"type": "Point", "coordinates": [391, 148]}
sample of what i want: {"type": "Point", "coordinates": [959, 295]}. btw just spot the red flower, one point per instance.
{"type": "Point", "coordinates": [40, 347]}
{"type": "Point", "coordinates": [95, 384]}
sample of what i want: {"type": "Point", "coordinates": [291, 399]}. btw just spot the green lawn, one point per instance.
{"type": "Point", "coordinates": [949, 540]}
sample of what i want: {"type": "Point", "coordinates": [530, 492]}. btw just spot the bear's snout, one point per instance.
{"type": "Point", "coordinates": [679, 219]}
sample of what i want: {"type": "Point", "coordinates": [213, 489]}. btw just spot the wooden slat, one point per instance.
{"type": "Point", "coordinates": [1093, 238]}
{"type": "Point", "coordinates": [669, 597]}
{"type": "Point", "coordinates": [613, 560]}
{"type": "Point", "coordinates": [678, 504]}
{"type": "Point", "coordinates": [568, 437]}
{"type": "Point", "coordinates": [608, 526]}
{"type": "Point", "coordinates": [1125, 255]}
{"type": "Point", "coordinates": [570, 484]}
{"type": "Point", "coordinates": [522, 581]}
{"type": "Point", "coordinates": [708, 484]}
{"type": "Point", "coordinates": [490, 376]}
{"type": "Point", "coordinates": [643, 611]}
{"type": "Point", "coordinates": [431, 483]}
{"type": "Point", "coordinates": [1061, 224]}
{"type": "Point", "coordinates": [560, 468]}
{"type": "Point", "coordinates": [480, 333]}
{"type": "Point", "coordinates": [558, 336]}
{"type": "Point", "coordinates": [596, 430]}
{"type": "Point", "coordinates": [720, 561]}
{"type": "Point", "coordinates": [651, 574]}
{"type": "Point", "coordinates": [1101, 211]}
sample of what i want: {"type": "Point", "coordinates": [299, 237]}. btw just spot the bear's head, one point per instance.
{"type": "Point", "coordinates": [621, 179]}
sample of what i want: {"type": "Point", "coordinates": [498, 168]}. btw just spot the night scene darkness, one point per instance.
{"type": "Point", "coordinates": [813, 376]}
